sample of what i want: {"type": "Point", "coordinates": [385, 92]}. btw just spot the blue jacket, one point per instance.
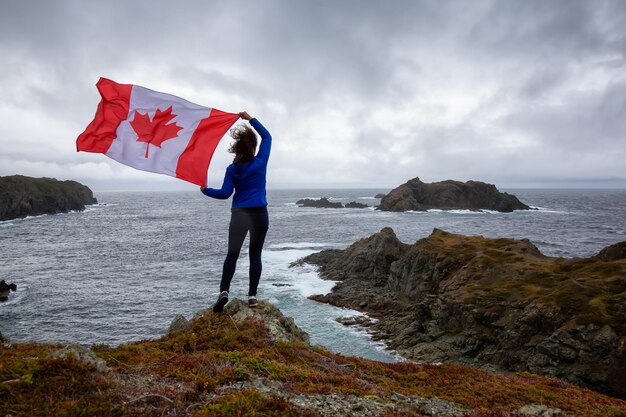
{"type": "Point", "coordinates": [247, 179]}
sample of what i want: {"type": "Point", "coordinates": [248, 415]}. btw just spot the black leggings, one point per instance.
{"type": "Point", "coordinates": [256, 221]}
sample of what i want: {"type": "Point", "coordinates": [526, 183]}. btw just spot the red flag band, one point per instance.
{"type": "Point", "coordinates": [154, 131]}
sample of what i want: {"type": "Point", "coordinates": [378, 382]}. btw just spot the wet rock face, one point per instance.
{"type": "Point", "coordinates": [449, 195]}
{"type": "Point", "coordinates": [494, 303]}
{"type": "Point", "coordinates": [22, 196]}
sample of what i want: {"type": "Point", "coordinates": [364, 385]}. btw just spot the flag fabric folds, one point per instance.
{"type": "Point", "coordinates": [154, 131]}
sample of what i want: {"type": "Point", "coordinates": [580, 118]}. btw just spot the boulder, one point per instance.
{"type": "Point", "coordinates": [22, 196]}
{"type": "Point", "coordinates": [281, 327]}
{"type": "Point", "coordinates": [448, 195]}
{"type": "Point", "coordinates": [539, 410]}
{"type": "Point", "coordinates": [81, 354]}
{"type": "Point", "coordinates": [179, 323]}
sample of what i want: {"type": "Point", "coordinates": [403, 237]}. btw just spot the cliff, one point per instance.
{"type": "Point", "coordinates": [498, 303]}
{"type": "Point", "coordinates": [257, 363]}
{"type": "Point", "coordinates": [448, 195]}
{"type": "Point", "coordinates": [22, 196]}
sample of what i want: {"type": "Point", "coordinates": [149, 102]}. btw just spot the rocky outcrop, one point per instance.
{"type": "Point", "coordinates": [81, 354]}
{"type": "Point", "coordinates": [5, 289]}
{"type": "Point", "coordinates": [449, 195]}
{"type": "Point", "coordinates": [494, 303]}
{"type": "Point", "coordinates": [22, 196]}
{"type": "Point", "coordinates": [325, 203]}
{"type": "Point", "coordinates": [354, 204]}
{"type": "Point", "coordinates": [321, 203]}
{"type": "Point", "coordinates": [281, 328]}
{"type": "Point", "coordinates": [380, 195]}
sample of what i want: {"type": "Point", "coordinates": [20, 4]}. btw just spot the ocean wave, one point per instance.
{"type": "Point", "coordinates": [544, 210]}
{"type": "Point", "coordinates": [365, 333]}
{"type": "Point", "coordinates": [300, 246]}
{"type": "Point", "coordinates": [88, 208]}
{"type": "Point", "coordinates": [21, 219]}
{"type": "Point", "coordinates": [318, 197]}
{"type": "Point", "coordinates": [464, 211]}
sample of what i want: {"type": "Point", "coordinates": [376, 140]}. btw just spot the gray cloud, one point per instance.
{"type": "Point", "coordinates": [372, 93]}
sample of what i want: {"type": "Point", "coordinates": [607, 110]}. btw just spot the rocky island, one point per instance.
{"type": "Point", "coordinates": [495, 303]}
{"type": "Point", "coordinates": [258, 362]}
{"type": "Point", "coordinates": [22, 196]}
{"type": "Point", "coordinates": [449, 195]}
{"type": "Point", "coordinates": [325, 203]}
{"type": "Point", "coordinates": [5, 290]}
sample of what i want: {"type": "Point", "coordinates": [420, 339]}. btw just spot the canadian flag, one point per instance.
{"type": "Point", "coordinates": [154, 131]}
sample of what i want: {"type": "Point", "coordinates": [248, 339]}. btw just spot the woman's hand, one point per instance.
{"type": "Point", "coordinates": [202, 187]}
{"type": "Point", "coordinates": [245, 116]}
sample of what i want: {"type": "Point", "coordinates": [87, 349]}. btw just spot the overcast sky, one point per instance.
{"type": "Point", "coordinates": [355, 93]}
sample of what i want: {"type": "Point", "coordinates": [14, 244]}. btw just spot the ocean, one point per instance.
{"type": "Point", "coordinates": [121, 270]}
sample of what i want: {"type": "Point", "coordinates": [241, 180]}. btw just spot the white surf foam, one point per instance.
{"type": "Point", "coordinates": [300, 245]}
{"type": "Point", "coordinates": [303, 279]}
{"type": "Point", "coordinates": [544, 210]}
{"type": "Point", "coordinates": [464, 211]}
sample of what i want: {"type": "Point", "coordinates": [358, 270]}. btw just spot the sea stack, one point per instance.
{"type": "Point", "coordinates": [449, 195]}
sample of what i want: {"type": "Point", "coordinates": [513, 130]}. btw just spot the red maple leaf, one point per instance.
{"type": "Point", "coordinates": [155, 131]}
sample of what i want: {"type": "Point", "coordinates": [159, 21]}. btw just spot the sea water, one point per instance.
{"type": "Point", "coordinates": [123, 269]}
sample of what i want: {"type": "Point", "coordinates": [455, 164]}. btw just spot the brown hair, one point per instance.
{"type": "Point", "coordinates": [244, 146]}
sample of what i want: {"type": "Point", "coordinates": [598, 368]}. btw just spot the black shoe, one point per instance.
{"type": "Point", "coordinates": [252, 302]}
{"type": "Point", "coordinates": [221, 302]}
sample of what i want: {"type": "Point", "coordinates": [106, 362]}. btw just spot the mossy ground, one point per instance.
{"type": "Point", "coordinates": [196, 372]}
{"type": "Point", "coordinates": [591, 290]}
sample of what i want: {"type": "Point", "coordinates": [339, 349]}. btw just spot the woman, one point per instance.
{"type": "Point", "coordinates": [246, 176]}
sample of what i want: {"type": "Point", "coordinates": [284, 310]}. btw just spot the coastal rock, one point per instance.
{"type": "Point", "coordinates": [492, 303]}
{"type": "Point", "coordinates": [321, 203]}
{"type": "Point", "coordinates": [179, 323]}
{"type": "Point", "coordinates": [5, 289]}
{"type": "Point", "coordinates": [448, 195]}
{"type": "Point", "coordinates": [81, 354]}
{"type": "Point", "coordinates": [614, 252]}
{"type": "Point", "coordinates": [22, 196]}
{"type": "Point", "coordinates": [281, 327]}
{"type": "Point", "coordinates": [380, 195]}
{"type": "Point", "coordinates": [354, 204]}
{"type": "Point", "coordinates": [538, 410]}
